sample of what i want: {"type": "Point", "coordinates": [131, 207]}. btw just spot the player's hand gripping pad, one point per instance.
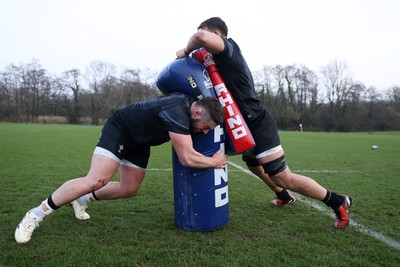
{"type": "Point", "coordinates": [238, 131]}
{"type": "Point", "coordinates": [185, 75]}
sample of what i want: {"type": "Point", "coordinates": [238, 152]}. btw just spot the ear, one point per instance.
{"type": "Point", "coordinates": [197, 113]}
{"type": "Point", "coordinates": [217, 32]}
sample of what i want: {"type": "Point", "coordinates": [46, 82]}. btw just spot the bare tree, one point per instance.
{"type": "Point", "coordinates": [338, 85]}
{"type": "Point", "coordinates": [393, 96]}
{"type": "Point", "coordinates": [278, 78]}
{"type": "Point", "coordinates": [100, 77]}
{"type": "Point", "coordinates": [36, 83]}
{"type": "Point", "coordinates": [289, 75]}
{"type": "Point", "coordinates": [306, 91]}
{"type": "Point", "coordinates": [56, 104]}
{"type": "Point", "coordinates": [28, 85]}
{"type": "Point", "coordinates": [13, 76]}
{"type": "Point", "coordinates": [337, 82]}
{"type": "Point", "coordinates": [263, 86]}
{"type": "Point", "coordinates": [131, 86]}
{"type": "Point", "coordinates": [370, 99]}
{"type": "Point", "coordinates": [72, 81]}
{"type": "Point", "coordinates": [6, 97]}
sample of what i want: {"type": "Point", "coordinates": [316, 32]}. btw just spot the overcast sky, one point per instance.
{"type": "Point", "coordinates": [66, 34]}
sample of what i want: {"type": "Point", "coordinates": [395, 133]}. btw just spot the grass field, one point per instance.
{"type": "Point", "coordinates": [36, 159]}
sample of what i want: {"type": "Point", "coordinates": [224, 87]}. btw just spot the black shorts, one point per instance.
{"type": "Point", "coordinates": [114, 144]}
{"type": "Point", "coordinates": [265, 133]}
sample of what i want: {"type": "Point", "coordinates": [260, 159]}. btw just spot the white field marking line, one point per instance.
{"type": "Point", "coordinates": [247, 171]}
{"type": "Point", "coordinates": [359, 227]}
{"type": "Point", "coordinates": [159, 169]}
{"type": "Point", "coordinates": [325, 171]}
{"type": "Point", "coordinates": [307, 171]}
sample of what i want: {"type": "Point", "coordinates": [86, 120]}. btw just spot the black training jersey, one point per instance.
{"type": "Point", "coordinates": [148, 122]}
{"type": "Point", "coordinates": [238, 79]}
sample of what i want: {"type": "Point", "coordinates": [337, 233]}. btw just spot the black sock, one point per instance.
{"type": "Point", "coordinates": [51, 203]}
{"type": "Point", "coordinates": [94, 195]}
{"type": "Point", "coordinates": [332, 200]}
{"type": "Point", "coordinates": [284, 195]}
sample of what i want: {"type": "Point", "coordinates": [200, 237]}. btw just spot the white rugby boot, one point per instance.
{"type": "Point", "coordinates": [80, 210]}
{"type": "Point", "coordinates": [25, 228]}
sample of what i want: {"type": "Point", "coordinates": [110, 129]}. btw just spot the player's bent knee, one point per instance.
{"type": "Point", "coordinates": [131, 193]}
{"type": "Point", "coordinates": [96, 184]}
{"type": "Point", "coordinates": [128, 191]}
{"type": "Point", "coordinates": [276, 166]}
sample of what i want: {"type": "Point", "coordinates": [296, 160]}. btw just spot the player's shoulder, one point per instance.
{"type": "Point", "coordinates": [178, 98]}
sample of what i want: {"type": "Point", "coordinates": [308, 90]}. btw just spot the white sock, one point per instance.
{"type": "Point", "coordinates": [86, 198]}
{"type": "Point", "coordinates": [42, 210]}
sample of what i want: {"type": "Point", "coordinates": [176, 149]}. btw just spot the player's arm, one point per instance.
{"type": "Point", "coordinates": [212, 42]}
{"type": "Point", "coordinates": [189, 157]}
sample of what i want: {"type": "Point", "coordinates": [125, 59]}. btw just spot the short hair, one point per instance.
{"type": "Point", "coordinates": [215, 23]}
{"type": "Point", "coordinates": [213, 109]}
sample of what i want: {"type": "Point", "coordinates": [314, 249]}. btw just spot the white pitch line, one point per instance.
{"type": "Point", "coordinates": [159, 169]}
{"type": "Point", "coordinates": [311, 171]}
{"type": "Point", "coordinates": [361, 228]}
{"type": "Point", "coordinates": [247, 171]}
{"type": "Point", "coordinates": [325, 171]}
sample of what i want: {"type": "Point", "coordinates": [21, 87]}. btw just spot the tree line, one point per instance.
{"type": "Point", "coordinates": [326, 101]}
{"type": "Point", "coordinates": [29, 93]}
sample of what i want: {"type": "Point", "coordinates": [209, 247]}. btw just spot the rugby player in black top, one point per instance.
{"type": "Point", "coordinates": [267, 158]}
{"type": "Point", "coordinates": [124, 144]}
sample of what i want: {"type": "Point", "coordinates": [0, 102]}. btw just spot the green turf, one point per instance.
{"type": "Point", "coordinates": [36, 159]}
